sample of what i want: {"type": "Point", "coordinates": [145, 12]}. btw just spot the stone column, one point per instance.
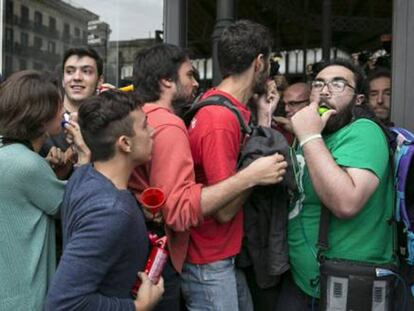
{"type": "Point", "coordinates": [225, 15]}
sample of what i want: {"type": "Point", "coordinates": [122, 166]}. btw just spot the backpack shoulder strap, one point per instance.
{"type": "Point", "coordinates": [216, 100]}
{"type": "Point", "coordinates": [409, 135]}
{"type": "Point", "coordinates": [404, 171]}
{"type": "Point", "coordinates": [323, 243]}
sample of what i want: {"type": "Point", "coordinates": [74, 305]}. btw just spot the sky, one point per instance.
{"type": "Point", "coordinates": [128, 19]}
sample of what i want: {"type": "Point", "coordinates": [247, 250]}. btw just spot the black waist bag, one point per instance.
{"type": "Point", "coordinates": [350, 285]}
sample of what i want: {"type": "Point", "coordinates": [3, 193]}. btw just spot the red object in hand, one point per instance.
{"type": "Point", "coordinates": [155, 263]}
{"type": "Point", "coordinates": [152, 199]}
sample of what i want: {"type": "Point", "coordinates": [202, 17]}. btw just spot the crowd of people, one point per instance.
{"type": "Point", "coordinates": [242, 235]}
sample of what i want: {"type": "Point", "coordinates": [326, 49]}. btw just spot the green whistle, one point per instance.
{"type": "Point", "coordinates": [322, 110]}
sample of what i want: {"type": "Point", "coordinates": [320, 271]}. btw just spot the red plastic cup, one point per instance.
{"type": "Point", "coordinates": [152, 199]}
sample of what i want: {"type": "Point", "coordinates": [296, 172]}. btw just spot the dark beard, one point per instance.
{"type": "Point", "coordinates": [180, 106]}
{"type": "Point", "coordinates": [260, 87]}
{"type": "Point", "coordinates": [341, 119]}
{"type": "Point", "coordinates": [181, 103]}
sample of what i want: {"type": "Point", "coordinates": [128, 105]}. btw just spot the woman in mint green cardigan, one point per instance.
{"type": "Point", "coordinates": [30, 193]}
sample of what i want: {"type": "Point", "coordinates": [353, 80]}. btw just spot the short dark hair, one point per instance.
{"type": "Point", "coordinates": [104, 118]}
{"type": "Point", "coordinates": [160, 61]}
{"type": "Point", "coordinates": [81, 52]}
{"type": "Point", "coordinates": [239, 44]}
{"type": "Point", "coordinates": [359, 75]}
{"type": "Point", "coordinates": [28, 100]}
{"type": "Point", "coordinates": [380, 72]}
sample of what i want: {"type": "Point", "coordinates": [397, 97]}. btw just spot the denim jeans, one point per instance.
{"type": "Point", "coordinates": [217, 286]}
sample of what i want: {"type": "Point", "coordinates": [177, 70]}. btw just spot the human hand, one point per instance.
{"type": "Point", "coordinates": [149, 294]}
{"type": "Point", "coordinates": [307, 121]}
{"type": "Point", "coordinates": [267, 170]}
{"type": "Point", "coordinates": [105, 87]}
{"type": "Point", "coordinates": [78, 145]}
{"type": "Point", "coordinates": [152, 200]}
{"type": "Point", "coordinates": [55, 157]}
{"type": "Point", "coordinates": [157, 217]}
{"type": "Point", "coordinates": [272, 95]}
{"type": "Point", "coordinates": [266, 104]}
{"type": "Point", "coordinates": [283, 122]}
{"type": "Point", "coordinates": [60, 162]}
{"type": "Point", "coordinates": [73, 117]}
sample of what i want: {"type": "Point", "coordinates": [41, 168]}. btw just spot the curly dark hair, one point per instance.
{"type": "Point", "coordinates": [161, 61]}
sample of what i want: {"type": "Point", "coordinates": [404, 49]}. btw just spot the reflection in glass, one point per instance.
{"type": "Point", "coordinates": [36, 33]}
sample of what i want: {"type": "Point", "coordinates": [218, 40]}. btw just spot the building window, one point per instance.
{"type": "Point", "coordinates": [51, 47]}
{"type": "Point", "coordinates": [24, 39]}
{"type": "Point", "coordinates": [9, 7]}
{"type": "Point", "coordinates": [9, 35]}
{"type": "Point", "coordinates": [37, 66]}
{"type": "Point", "coordinates": [52, 23]}
{"type": "Point", "coordinates": [77, 32]}
{"type": "Point", "coordinates": [38, 19]}
{"type": "Point", "coordinates": [126, 71]}
{"type": "Point", "coordinates": [66, 30]}
{"type": "Point", "coordinates": [24, 12]}
{"type": "Point", "coordinates": [22, 64]}
{"type": "Point", "coordinates": [9, 11]}
{"type": "Point", "coordinates": [8, 65]}
{"type": "Point", "coordinates": [9, 39]}
{"type": "Point", "coordinates": [38, 42]}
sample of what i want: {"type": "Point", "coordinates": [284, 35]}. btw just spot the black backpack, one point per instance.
{"type": "Point", "coordinates": [216, 100]}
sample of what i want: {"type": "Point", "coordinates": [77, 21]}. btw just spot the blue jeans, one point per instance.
{"type": "Point", "coordinates": [218, 286]}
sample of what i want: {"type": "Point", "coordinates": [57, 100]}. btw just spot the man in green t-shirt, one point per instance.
{"type": "Point", "coordinates": [343, 163]}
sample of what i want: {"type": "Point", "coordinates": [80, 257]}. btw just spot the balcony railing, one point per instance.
{"type": "Point", "coordinates": [79, 42]}
{"type": "Point", "coordinates": [35, 53]}
{"type": "Point", "coordinates": [38, 28]}
{"type": "Point", "coordinates": [23, 23]}
{"type": "Point", "coordinates": [67, 38]}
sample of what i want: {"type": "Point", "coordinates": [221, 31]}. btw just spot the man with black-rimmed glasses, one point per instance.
{"type": "Point", "coordinates": [344, 166]}
{"type": "Point", "coordinates": [295, 97]}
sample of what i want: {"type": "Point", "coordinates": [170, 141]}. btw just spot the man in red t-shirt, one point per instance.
{"type": "Point", "coordinates": [209, 275]}
{"type": "Point", "coordinates": [164, 79]}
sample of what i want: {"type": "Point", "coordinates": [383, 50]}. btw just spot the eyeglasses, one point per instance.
{"type": "Point", "coordinates": [296, 103]}
{"type": "Point", "coordinates": [334, 86]}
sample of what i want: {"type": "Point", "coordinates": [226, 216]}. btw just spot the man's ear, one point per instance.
{"type": "Point", "coordinates": [124, 143]}
{"type": "Point", "coordinates": [166, 83]}
{"type": "Point", "coordinates": [100, 81]}
{"type": "Point", "coordinates": [259, 62]}
{"type": "Point", "coordinates": [360, 98]}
